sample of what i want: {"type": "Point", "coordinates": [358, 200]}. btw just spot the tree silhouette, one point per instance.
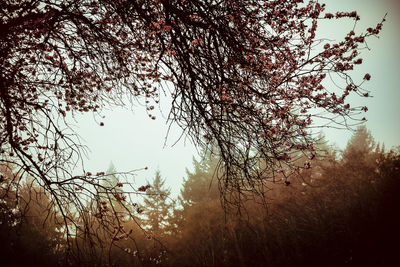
{"type": "Point", "coordinates": [361, 143]}
{"type": "Point", "coordinates": [246, 75]}
{"type": "Point", "coordinates": [29, 231]}
{"type": "Point", "coordinates": [199, 219]}
{"type": "Point", "coordinates": [157, 205]}
{"type": "Point", "coordinates": [199, 185]}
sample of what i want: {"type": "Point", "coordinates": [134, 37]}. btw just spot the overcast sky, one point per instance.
{"type": "Point", "coordinates": [131, 140]}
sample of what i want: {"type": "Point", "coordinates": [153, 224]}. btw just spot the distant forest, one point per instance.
{"type": "Point", "coordinates": [341, 211]}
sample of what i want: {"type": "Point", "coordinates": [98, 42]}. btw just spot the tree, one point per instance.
{"type": "Point", "coordinates": [361, 143]}
{"type": "Point", "coordinates": [199, 185]}
{"type": "Point", "coordinates": [113, 180]}
{"type": "Point", "coordinates": [247, 75]}
{"type": "Point", "coordinates": [29, 231]}
{"type": "Point", "coordinates": [157, 205]}
{"type": "Point", "coordinates": [361, 153]}
{"type": "Point", "coordinates": [199, 220]}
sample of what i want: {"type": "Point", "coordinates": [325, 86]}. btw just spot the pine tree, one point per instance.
{"type": "Point", "coordinates": [111, 179]}
{"type": "Point", "coordinates": [200, 184]}
{"type": "Point", "coordinates": [362, 141]}
{"type": "Point", "coordinates": [158, 207]}
{"type": "Point", "coordinates": [112, 182]}
{"type": "Point", "coordinates": [361, 148]}
{"type": "Point", "coordinates": [29, 227]}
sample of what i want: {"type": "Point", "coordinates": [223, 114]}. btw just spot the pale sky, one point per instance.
{"type": "Point", "coordinates": [382, 62]}
{"type": "Point", "coordinates": [131, 140]}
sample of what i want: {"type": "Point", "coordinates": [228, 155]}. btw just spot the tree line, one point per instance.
{"type": "Point", "coordinates": [340, 211]}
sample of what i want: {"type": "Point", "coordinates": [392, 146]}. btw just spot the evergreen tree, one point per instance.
{"type": "Point", "coordinates": [111, 178]}
{"type": "Point", "coordinates": [199, 222]}
{"type": "Point", "coordinates": [361, 154]}
{"type": "Point", "coordinates": [361, 143]}
{"type": "Point", "coordinates": [114, 193]}
{"type": "Point", "coordinates": [29, 227]}
{"type": "Point", "coordinates": [200, 184]}
{"type": "Point", "coordinates": [158, 207]}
